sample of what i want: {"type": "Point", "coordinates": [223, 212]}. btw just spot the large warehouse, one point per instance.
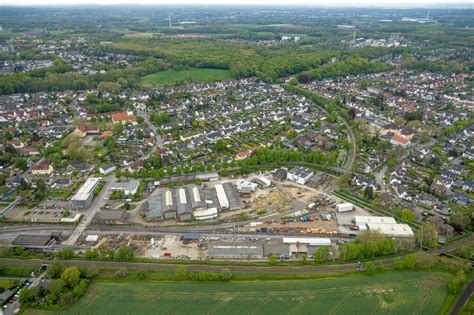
{"type": "Point", "coordinates": [82, 200]}
{"type": "Point", "coordinates": [192, 202]}
{"type": "Point", "coordinates": [236, 250]}
{"type": "Point", "coordinates": [384, 225]}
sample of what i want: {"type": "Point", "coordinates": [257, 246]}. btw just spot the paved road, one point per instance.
{"type": "Point", "coordinates": [98, 203]}
{"type": "Point", "coordinates": [146, 119]}
{"type": "Point", "coordinates": [350, 136]}
{"type": "Point", "coordinates": [379, 178]}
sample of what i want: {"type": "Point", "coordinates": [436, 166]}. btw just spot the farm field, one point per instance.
{"type": "Point", "coordinates": [171, 77]}
{"type": "Point", "coordinates": [390, 293]}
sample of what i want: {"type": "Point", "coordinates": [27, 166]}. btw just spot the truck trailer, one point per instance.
{"type": "Point", "coordinates": [345, 207]}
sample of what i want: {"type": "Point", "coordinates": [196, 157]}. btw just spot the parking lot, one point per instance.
{"type": "Point", "coordinates": [49, 214]}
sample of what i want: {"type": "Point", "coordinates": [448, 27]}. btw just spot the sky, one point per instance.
{"type": "Point", "coordinates": [351, 3]}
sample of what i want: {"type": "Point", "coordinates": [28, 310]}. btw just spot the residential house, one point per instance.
{"type": "Point", "coordinates": [44, 167]}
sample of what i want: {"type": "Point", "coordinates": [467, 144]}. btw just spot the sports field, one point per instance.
{"type": "Point", "coordinates": [389, 293]}
{"type": "Point", "coordinates": [170, 77]}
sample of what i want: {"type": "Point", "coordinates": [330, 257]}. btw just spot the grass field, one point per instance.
{"type": "Point", "coordinates": [170, 77]}
{"type": "Point", "coordinates": [390, 293]}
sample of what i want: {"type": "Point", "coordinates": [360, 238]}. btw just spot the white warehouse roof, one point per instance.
{"type": "Point", "coordinates": [400, 230]}
{"type": "Point", "coordinates": [221, 196]}
{"type": "Point", "coordinates": [313, 241]}
{"type": "Point", "coordinates": [359, 220]}
{"type": "Point", "coordinates": [86, 189]}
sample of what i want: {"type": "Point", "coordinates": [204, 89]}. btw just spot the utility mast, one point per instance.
{"type": "Point", "coordinates": [169, 19]}
{"type": "Point", "coordinates": [354, 37]}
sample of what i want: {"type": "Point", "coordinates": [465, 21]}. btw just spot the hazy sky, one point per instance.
{"type": "Point", "coordinates": [378, 3]}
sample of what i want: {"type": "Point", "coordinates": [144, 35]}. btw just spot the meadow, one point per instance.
{"type": "Point", "coordinates": [390, 293]}
{"type": "Point", "coordinates": [197, 75]}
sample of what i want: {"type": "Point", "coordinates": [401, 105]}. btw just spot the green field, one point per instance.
{"type": "Point", "coordinates": [171, 77]}
{"type": "Point", "coordinates": [408, 293]}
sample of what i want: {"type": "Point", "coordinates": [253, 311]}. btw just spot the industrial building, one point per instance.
{"type": "Point", "coordinates": [245, 187]}
{"type": "Point", "coordinates": [236, 250]}
{"type": "Point", "coordinates": [34, 242]}
{"type": "Point", "coordinates": [111, 217]}
{"type": "Point", "coordinates": [222, 197]}
{"type": "Point", "coordinates": [300, 175]}
{"type": "Point", "coordinates": [82, 200]}
{"type": "Point", "coordinates": [208, 177]}
{"type": "Point", "coordinates": [384, 225]}
{"type": "Point", "coordinates": [192, 202]}
{"type": "Point", "coordinates": [392, 230]}
{"type": "Point", "coordinates": [305, 245]}
{"type": "Point", "coordinates": [128, 188]}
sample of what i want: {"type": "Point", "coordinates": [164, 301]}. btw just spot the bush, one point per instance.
{"type": "Point", "coordinates": [225, 274]}
{"type": "Point", "coordinates": [141, 274]}
{"type": "Point", "coordinates": [181, 273]}
{"type": "Point", "coordinates": [409, 262]}
{"type": "Point", "coordinates": [398, 263]}
{"type": "Point", "coordinates": [425, 260]}
{"type": "Point", "coordinates": [369, 269]}
{"type": "Point", "coordinates": [91, 254]}
{"type": "Point", "coordinates": [389, 297]}
{"type": "Point", "coordinates": [92, 272]}
{"type": "Point", "coordinates": [122, 272]}
{"type": "Point", "coordinates": [203, 276]}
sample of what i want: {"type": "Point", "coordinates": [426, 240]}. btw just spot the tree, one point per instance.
{"type": "Point", "coordinates": [321, 255]}
{"type": "Point", "coordinates": [428, 235]}
{"type": "Point", "coordinates": [399, 120]}
{"type": "Point", "coordinates": [369, 193]}
{"type": "Point", "coordinates": [55, 289]}
{"type": "Point", "coordinates": [303, 78]}
{"type": "Point", "coordinates": [352, 112]}
{"type": "Point", "coordinates": [71, 276]}
{"type": "Point", "coordinates": [272, 260]}
{"type": "Point", "coordinates": [124, 253]}
{"type": "Point", "coordinates": [7, 135]}
{"type": "Point", "coordinates": [29, 296]}
{"type": "Point", "coordinates": [64, 253]}
{"type": "Point", "coordinates": [220, 145]}
{"type": "Point", "coordinates": [305, 259]}
{"type": "Point", "coordinates": [181, 273]}
{"type": "Point", "coordinates": [407, 215]}
{"type": "Point", "coordinates": [21, 164]}
{"type": "Point", "coordinates": [55, 269]}
{"type": "Point", "coordinates": [105, 86]}
{"type": "Point", "coordinates": [225, 274]}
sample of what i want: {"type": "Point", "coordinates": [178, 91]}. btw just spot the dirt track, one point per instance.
{"type": "Point", "coordinates": [463, 298]}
